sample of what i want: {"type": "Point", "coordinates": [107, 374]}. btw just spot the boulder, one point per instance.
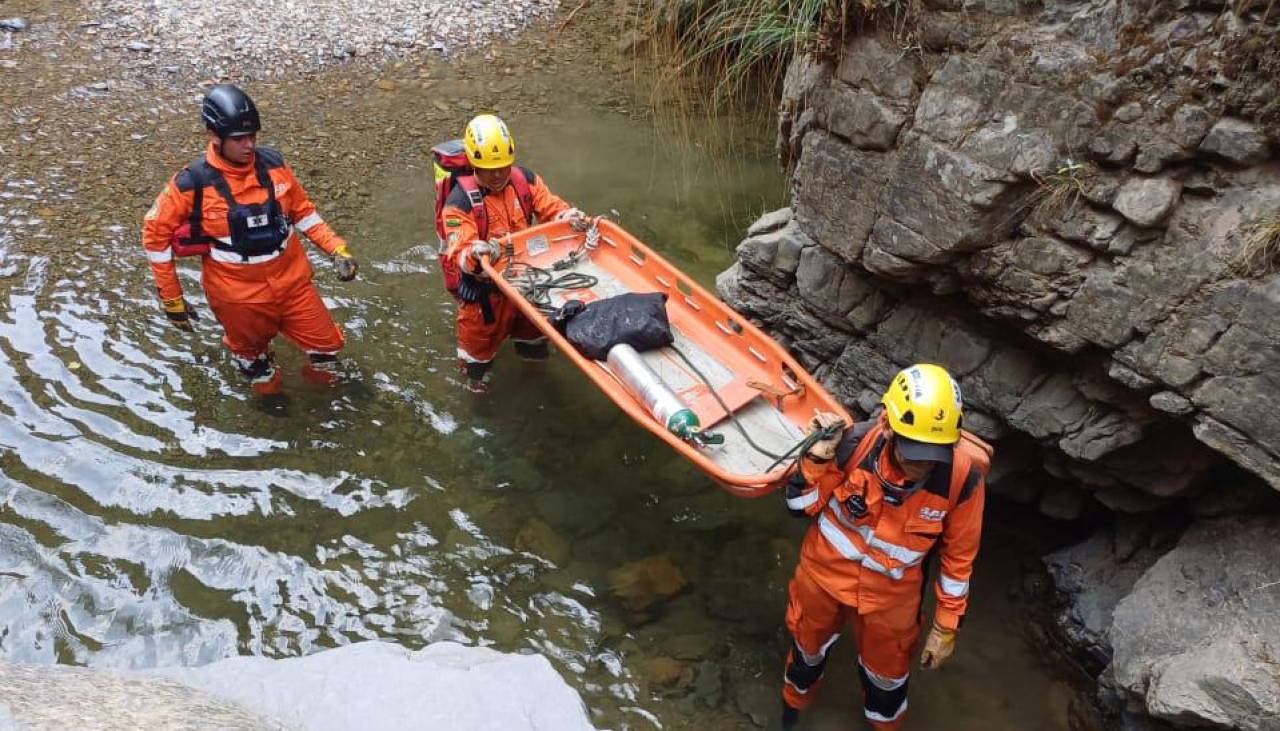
{"type": "Point", "coordinates": [642, 584]}
{"type": "Point", "coordinates": [862, 118]}
{"type": "Point", "coordinates": [1195, 642]}
{"type": "Point", "coordinates": [1237, 141]}
{"type": "Point", "coordinates": [1091, 579]}
{"type": "Point", "coordinates": [1147, 202]}
{"type": "Point", "coordinates": [836, 190]}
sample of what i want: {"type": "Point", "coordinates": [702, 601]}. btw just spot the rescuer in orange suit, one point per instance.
{"type": "Point", "coordinates": [513, 199]}
{"type": "Point", "coordinates": [239, 208]}
{"type": "Point", "coordinates": [882, 495]}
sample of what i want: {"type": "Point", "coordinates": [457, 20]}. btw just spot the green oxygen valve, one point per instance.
{"type": "Point", "coordinates": [649, 389]}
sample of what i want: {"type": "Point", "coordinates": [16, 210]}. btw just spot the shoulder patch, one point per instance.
{"type": "Point", "coordinates": [453, 222]}
{"type": "Point", "coordinates": [272, 158]}
{"type": "Point", "coordinates": [459, 199]}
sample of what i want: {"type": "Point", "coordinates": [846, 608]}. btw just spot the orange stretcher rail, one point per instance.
{"type": "Point", "coordinates": [761, 382]}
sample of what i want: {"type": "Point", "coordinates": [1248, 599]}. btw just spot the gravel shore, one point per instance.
{"type": "Point", "coordinates": [266, 37]}
{"type": "Point", "coordinates": [259, 40]}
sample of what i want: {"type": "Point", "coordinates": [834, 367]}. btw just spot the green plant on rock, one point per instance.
{"type": "Point", "coordinates": [1259, 251]}
{"type": "Point", "coordinates": [738, 49]}
{"type": "Point", "coordinates": [1059, 190]}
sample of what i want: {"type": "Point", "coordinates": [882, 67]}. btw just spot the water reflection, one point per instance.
{"type": "Point", "coordinates": [153, 515]}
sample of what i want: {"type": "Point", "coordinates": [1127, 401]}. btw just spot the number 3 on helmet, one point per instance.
{"type": "Point", "coordinates": [923, 403]}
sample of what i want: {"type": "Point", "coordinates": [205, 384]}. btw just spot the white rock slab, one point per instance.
{"type": "Point", "coordinates": [378, 685]}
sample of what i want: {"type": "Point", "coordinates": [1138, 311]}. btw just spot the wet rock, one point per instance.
{"type": "Point", "coordinates": [1237, 141]}
{"type": "Point", "coordinates": [1147, 202]}
{"type": "Point", "coordinates": [540, 539]}
{"type": "Point", "coordinates": [661, 671]}
{"type": "Point", "coordinates": [1194, 641]}
{"type": "Point", "coordinates": [758, 702]}
{"type": "Point", "coordinates": [708, 687]}
{"type": "Point", "coordinates": [690, 646]}
{"type": "Point", "coordinates": [1092, 579]}
{"type": "Point", "coordinates": [13, 25]}
{"type": "Point", "coordinates": [642, 584]}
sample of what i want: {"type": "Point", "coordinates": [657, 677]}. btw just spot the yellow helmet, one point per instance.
{"type": "Point", "coordinates": [489, 144]}
{"type": "Point", "coordinates": [923, 406]}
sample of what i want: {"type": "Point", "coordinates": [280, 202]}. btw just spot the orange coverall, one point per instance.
{"type": "Point", "coordinates": [869, 568]}
{"type": "Point", "coordinates": [257, 299]}
{"type": "Point", "coordinates": [478, 341]}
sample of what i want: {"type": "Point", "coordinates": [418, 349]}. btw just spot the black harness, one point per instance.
{"type": "Point", "coordinates": [256, 230]}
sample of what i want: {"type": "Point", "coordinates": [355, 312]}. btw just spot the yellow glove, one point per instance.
{"type": "Point", "coordinates": [179, 313]}
{"type": "Point", "coordinates": [938, 647]}
{"type": "Point", "coordinates": [345, 263]}
{"type": "Point", "coordinates": [825, 449]}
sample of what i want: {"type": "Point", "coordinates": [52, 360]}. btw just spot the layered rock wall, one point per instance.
{"type": "Point", "coordinates": [1049, 200]}
{"type": "Point", "coordinates": [1056, 200]}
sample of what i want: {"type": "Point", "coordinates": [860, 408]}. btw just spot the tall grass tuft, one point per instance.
{"type": "Point", "coordinates": [733, 53]}
{"type": "Point", "coordinates": [1259, 252]}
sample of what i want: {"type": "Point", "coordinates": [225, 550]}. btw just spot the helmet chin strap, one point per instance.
{"type": "Point", "coordinates": [896, 494]}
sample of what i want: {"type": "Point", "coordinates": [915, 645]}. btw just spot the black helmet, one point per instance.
{"type": "Point", "coordinates": [229, 112]}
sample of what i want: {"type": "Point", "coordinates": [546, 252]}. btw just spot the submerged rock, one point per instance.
{"type": "Point", "coordinates": [644, 583]}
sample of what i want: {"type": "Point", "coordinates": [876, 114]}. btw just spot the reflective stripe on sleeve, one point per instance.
{"type": "Point", "coordinates": [804, 500]}
{"type": "Point", "coordinates": [313, 219]}
{"type": "Point", "coordinates": [951, 587]}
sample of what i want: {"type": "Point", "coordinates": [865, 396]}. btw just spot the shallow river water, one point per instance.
{"type": "Point", "coordinates": [152, 514]}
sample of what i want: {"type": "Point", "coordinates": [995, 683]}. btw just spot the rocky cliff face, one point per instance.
{"type": "Point", "coordinates": [1051, 204]}
{"type": "Point", "coordinates": [1057, 201]}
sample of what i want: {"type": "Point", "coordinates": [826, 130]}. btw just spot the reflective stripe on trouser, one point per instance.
{"type": "Point", "coordinates": [885, 640]}
{"type": "Point", "coordinates": [478, 342]}
{"type": "Point", "coordinates": [300, 316]}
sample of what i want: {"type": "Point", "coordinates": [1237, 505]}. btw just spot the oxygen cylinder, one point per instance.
{"type": "Point", "coordinates": [648, 388]}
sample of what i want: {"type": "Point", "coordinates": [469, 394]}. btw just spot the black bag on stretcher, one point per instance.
{"type": "Point", "coordinates": [638, 320]}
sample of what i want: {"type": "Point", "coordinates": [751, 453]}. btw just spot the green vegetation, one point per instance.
{"type": "Point", "coordinates": [734, 51]}
{"type": "Point", "coordinates": [1058, 191]}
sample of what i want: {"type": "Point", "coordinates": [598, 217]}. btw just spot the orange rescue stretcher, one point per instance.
{"type": "Point", "coordinates": [771, 396]}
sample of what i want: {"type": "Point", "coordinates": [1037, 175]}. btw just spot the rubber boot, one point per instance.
{"type": "Point", "coordinates": [790, 716]}
{"type": "Point", "coordinates": [262, 374]}
{"type": "Point", "coordinates": [322, 370]}
{"type": "Point", "coordinates": [533, 352]}
{"type": "Point", "coordinates": [478, 375]}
